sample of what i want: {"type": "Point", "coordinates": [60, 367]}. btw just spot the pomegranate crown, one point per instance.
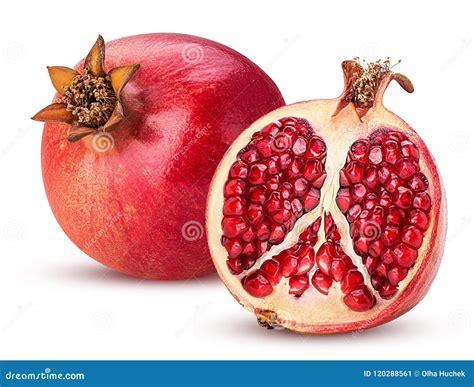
{"type": "Point", "coordinates": [364, 81]}
{"type": "Point", "coordinates": [89, 102]}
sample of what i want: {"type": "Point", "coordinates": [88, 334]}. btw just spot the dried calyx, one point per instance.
{"type": "Point", "coordinates": [90, 102]}
{"type": "Point", "coordinates": [363, 80]}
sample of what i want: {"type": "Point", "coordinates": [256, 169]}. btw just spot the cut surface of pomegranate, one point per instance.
{"type": "Point", "coordinates": [329, 215]}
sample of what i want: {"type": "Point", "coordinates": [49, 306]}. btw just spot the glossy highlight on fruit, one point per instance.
{"type": "Point", "coordinates": [132, 140]}
{"type": "Point", "coordinates": [329, 215]}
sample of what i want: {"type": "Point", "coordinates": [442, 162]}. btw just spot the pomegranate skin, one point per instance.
{"type": "Point", "coordinates": [135, 200]}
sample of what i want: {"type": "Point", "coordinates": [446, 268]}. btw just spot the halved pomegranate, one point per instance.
{"type": "Point", "coordinates": [329, 215]}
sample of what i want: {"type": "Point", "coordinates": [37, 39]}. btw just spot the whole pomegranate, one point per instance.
{"type": "Point", "coordinates": [329, 215]}
{"type": "Point", "coordinates": [132, 141]}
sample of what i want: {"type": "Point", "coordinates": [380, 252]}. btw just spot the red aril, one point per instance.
{"type": "Point", "coordinates": [366, 245]}
{"type": "Point", "coordinates": [127, 168]}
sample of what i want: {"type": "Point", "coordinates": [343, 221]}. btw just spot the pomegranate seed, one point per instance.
{"type": "Point", "coordinates": [352, 280]}
{"type": "Point", "coordinates": [270, 129]}
{"type": "Point", "coordinates": [319, 181]}
{"type": "Point", "coordinates": [257, 195]}
{"type": "Point", "coordinates": [257, 174]}
{"type": "Point", "coordinates": [396, 274]}
{"type": "Point", "coordinates": [422, 201]}
{"type": "Point", "coordinates": [262, 247]}
{"type": "Point", "coordinates": [384, 173]}
{"type": "Point", "coordinates": [312, 169]}
{"type": "Point", "coordinates": [257, 285]}
{"type": "Point", "coordinates": [273, 165]}
{"type": "Point", "coordinates": [274, 202]}
{"type": "Point", "coordinates": [371, 177]}
{"type": "Point", "coordinates": [308, 236]}
{"type": "Point", "coordinates": [339, 267]}
{"type": "Point", "coordinates": [324, 257]}
{"type": "Point", "coordinates": [295, 168]}
{"type": "Point", "coordinates": [418, 183]}
{"type": "Point", "coordinates": [391, 151]}
{"type": "Point", "coordinates": [265, 147]}
{"type": "Point", "coordinates": [281, 216]}
{"type": "Point", "coordinates": [377, 280]}
{"type": "Point", "coordinates": [358, 192]}
{"type": "Point", "coordinates": [409, 150]}
{"type": "Point", "coordinates": [306, 259]}
{"type": "Point", "coordinates": [354, 212]}
{"type": "Point", "coordinates": [406, 168]}
{"type": "Point", "coordinates": [285, 160]}
{"type": "Point", "coordinates": [375, 248]}
{"type": "Point", "coordinates": [249, 156]}
{"type": "Point", "coordinates": [393, 183]}
{"type": "Point", "coordinates": [288, 266]}
{"type": "Point", "coordinates": [403, 198]}
{"type": "Point", "coordinates": [300, 187]}
{"type": "Point", "coordinates": [235, 265]}
{"type": "Point", "coordinates": [321, 282]}
{"type": "Point", "coordinates": [273, 184]}
{"type": "Point", "coordinates": [370, 201]}
{"type": "Point", "coordinates": [381, 270]}
{"type": "Point", "coordinates": [354, 172]}
{"type": "Point", "coordinates": [359, 151]}
{"type": "Point", "coordinates": [371, 263]}
{"type": "Point", "coordinates": [255, 214]}
{"type": "Point", "coordinates": [271, 270]}
{"type": "Point", "coordinates": [385, 199]}
{"type": "Point", "coordinates": [311, 199]}
{"type": "Point", "coordinates": [361, 245]}
{"type": "Point", "coordinates": [396, 136]}
{"type": "Point", "coordinates": [249, 250]}
{"type": "Point", "coordinates": [390, 235]}
{"type": "Point", "coordinates": [387, 290]}
{"type": "Point", "coordinates": [378, 137]}
{"type": "Point", "coordinates": [395, 216]}
{"type": "Point", "coordinates": [248, 261]}
{"type": "Point", "coordinates": [249, 234]}
{"type": "Point", "coordinates": [298, 285]}
{"type": "Point", "coordinates": [419, 219]}
{"type": "Point", "coordinates": [233, 247]}
{"type": "Point", "coordinates": [343, 199]}
{"type": "Point", "coordinates": [404, 255]}
{"type": "Point", "coordinates": [315, 226]}
{"type": "Point", "coordinates": [343, 180]}
{"type": "Point", "coordinates": [359, 300]}
{"type": "Point", "coordinates": [375, 155]}
{"type": "Point", "coordinates": [233, 227]}
{"type": "Point", "coordinates": [299, 146]}
{"type": "Point", "coordinates": [263, 231]}
{"type": "Point", "coordinates": [277, 234]}
{"type": "Point", "coordinates": [412, 236]}
{"type": "Point", "coordinates": [286, 190]}
{"type": "Point", "coordinates": [234, 206]}
{"type": "Point", "coordinates": [387, 256]}
{"type": "Point", "coordinates": [238, 170]}
{"type": "Point", "coordinates": [234, 187]}
{"type": "Point", "coordinates": [297, 207]}
{"type": "Point", "coordinates": [316, 149]}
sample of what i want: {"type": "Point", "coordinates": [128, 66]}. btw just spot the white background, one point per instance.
{"type": "Point", "coordinates": [55, 302]}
